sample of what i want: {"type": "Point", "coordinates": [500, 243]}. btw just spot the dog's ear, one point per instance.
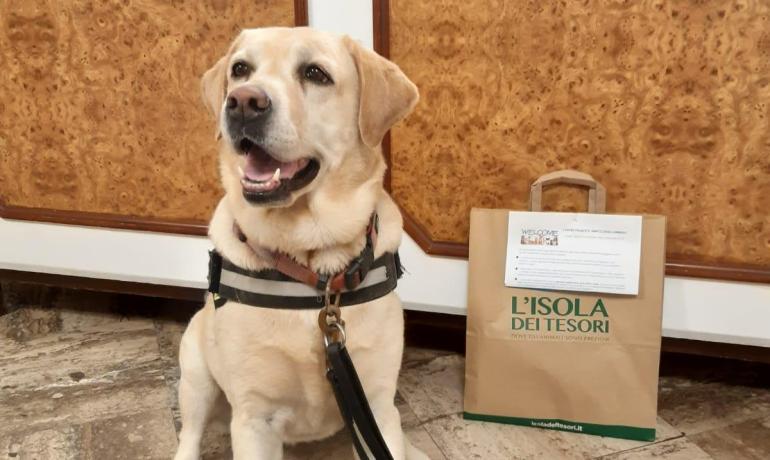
{"type": "Point", "coordinates": [386, 95]}
{"type": "Point", "coordinates": [214, 87]}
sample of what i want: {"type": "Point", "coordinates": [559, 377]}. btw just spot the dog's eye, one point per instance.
{"type": "Point", "coordinates": [240, 69]}
{"type": "Point", "coordinates": [316, 75]}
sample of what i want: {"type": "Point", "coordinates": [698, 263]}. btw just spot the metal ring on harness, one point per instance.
{"type": "Point", "coordinates": [330, 318]}
{"type": "Point", "coordinates": [327, 299]}
{"type": "Point", "coordinates": [328, 337]}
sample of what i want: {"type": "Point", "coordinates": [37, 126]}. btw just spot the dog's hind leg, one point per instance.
{"type": "Point", "coordinates": [198, 393]}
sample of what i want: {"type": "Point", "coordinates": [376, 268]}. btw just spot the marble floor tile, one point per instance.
{"type": "Point", "coordinates": [749, 440]}
{"type": "Point", "coordinates": [27, 323]}
{"type": "Point", "coordinates": [458, 439]}
{"type": "Point", "coordinates": [130, 391]}
{"type": "Point", "coordinates": [433, 388]}
{"type": "Point", "coordinates": [408, 417]}
{"type": "Point", "coordinates": [143, 435]}
{"type": "Point", "coordinates": [422, 440]}
{"type": "Point", "coordinates": [91, 354]}
{"type": "Point", "coordinates": [90, 380]}
{"type": "Point", "coordinates": [169, 335]}
{"type": "Point", "coordinates": [699, 396]}
{"type": "Point", "coordinates": [674, 449]}
{"type": "Point", "coordinates": [59, 443]}
{"type": "Point", "coordinates": [90, 368]}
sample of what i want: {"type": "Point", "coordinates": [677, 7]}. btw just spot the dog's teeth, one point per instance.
{"type": "Point", "coordinates": [276, 174]}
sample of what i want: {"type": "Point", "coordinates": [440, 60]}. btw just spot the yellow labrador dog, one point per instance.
{"type": "Point", "coordinates": [301, 115]}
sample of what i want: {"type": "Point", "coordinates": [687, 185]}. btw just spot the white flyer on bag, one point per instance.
{"type": "Point", "coordinates": [574, 252]}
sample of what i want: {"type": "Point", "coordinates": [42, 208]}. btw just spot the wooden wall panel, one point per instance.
{"type": "Point", "coordinates": [667, 103]}
{"type": "Point", "coordinates": [100, 106]}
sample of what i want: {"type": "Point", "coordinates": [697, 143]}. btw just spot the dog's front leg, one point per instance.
{"type": "Point", "coordinates": [389, 421]}
{"type": "Point", "coordinates": [198, 393]}
{"type": "Point", "coordinates": [253, 438]}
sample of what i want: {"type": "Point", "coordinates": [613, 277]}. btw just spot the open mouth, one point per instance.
{"type": "Point", "coordinates": [266, 179]}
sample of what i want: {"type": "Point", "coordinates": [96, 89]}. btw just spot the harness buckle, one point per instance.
{"type": "Point", "coordinates": [360, 266]}
{"type": "Point", "coordinates": [215, 271]}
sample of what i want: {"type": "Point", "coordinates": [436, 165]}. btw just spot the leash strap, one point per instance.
{"type": "Point", "coordinates": [353, 405]}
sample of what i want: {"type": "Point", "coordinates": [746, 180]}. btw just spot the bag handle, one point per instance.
{"type": "Point", "coordinates": [597, 195]}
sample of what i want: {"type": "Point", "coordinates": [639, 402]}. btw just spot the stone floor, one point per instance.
{"type": "Point", "coordinates": [93, 376]}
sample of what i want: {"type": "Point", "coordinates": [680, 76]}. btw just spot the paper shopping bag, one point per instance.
{"type": "Point", "coordinates": [585, 362]}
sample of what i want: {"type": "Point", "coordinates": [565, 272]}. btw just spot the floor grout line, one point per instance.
{"type": "Point", "coordinates": [437, 444]}
{"type": "Point", "coordinates": [422, 423]}
{"type": "Point", "coordinates": [431, 420]}
{"type": "Point", "coordinates": [437, 417]}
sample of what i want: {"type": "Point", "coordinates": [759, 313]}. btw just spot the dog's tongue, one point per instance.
{"type": "Point", "coordinates": [260, 166]}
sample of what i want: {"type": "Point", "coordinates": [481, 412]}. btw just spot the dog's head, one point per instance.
{"type": "Point", "coordinates": [294, 106]}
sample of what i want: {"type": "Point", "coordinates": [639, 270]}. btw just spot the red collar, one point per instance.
{"type": "Point", "coordinates": [348, 279]}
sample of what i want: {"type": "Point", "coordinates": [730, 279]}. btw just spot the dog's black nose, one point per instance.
{"type": "Point", "coordinates": [248, 101]}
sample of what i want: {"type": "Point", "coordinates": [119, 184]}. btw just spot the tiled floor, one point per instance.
{"type": "Point", "coordinates": [91, 379]}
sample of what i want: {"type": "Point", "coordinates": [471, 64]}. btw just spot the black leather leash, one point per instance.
{"type": "Point", "coordinates": [353, 405]}
{"type": "Point", "coordinates": [348, 391]}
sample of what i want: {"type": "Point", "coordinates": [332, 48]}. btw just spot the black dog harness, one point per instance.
{"type": "Point", "coordinates": [289, 285]}
{"type": "Point", "coordinates": [270, 288]}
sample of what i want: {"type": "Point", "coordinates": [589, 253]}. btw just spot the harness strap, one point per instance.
{"type": "Point", "coordinates": [350, 278]}
{"type": "Point", "coordinates": [271, 288]}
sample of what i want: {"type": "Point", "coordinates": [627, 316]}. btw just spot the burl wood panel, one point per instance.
{"type": "Point", "coordinates": [665, 102]}
{"type": "Point", "coordinates": [100, 106]}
